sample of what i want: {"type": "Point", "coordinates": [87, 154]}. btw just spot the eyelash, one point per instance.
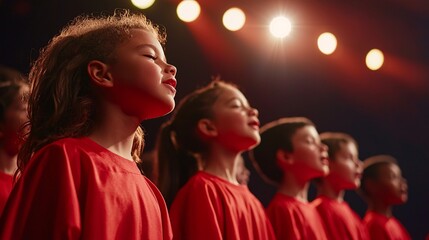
{"type": "Point", "coordinates": [151, 57]}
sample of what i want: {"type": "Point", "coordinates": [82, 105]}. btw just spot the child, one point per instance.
{"type": "Point", "coordinates": [345, 169]}
{"type": "Point", "coordinates": [13, 113]}
{"type": "Point", "coordinates": [198, 149]}
{"type": "Point", "coordinates": [382, 187]}
{"type": "Point", "coordinates": [90, 88]}
{"type": "Point", "coordinates": [289, 156]}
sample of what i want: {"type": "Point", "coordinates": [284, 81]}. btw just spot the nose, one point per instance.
{"type": "Point", "coordinates": [359, 165]}
{"type": "Point", "coordinates": [323, 147]}
{"type": "Point", "coordinates": [253, 111]}
{"type": "Point", "coordinates": [170, 69]}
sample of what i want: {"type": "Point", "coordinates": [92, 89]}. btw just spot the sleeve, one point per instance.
{"type": "Point", "coordinates": [44, 202]}
{"type": "Point", "coordinates": [197, 214]}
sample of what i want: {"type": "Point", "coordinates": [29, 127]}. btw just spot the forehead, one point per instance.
{"type": "Point", "coordinates": [228, 94]}
{"type": "Point", "coordinates": [305, 132]}
{"type": "Point", "coordinates": [388, 168]}
{"type": "Point", "coordinates": [347, 147]}
{"type": "Point", "coordinates": [141, 37]}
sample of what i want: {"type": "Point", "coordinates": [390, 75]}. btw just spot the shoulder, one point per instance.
{"type": "Point", "coordinates": [202, 181]}
{"type": "Point", "coordinates": [65, 145]}
{"type": "Point", "coordinates": [282, 204]}
{"type": "Point", "coordinates": [59, 154]}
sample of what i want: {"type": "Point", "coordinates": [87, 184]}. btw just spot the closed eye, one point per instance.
{"type": "Point", "coordinates": [150, 56]}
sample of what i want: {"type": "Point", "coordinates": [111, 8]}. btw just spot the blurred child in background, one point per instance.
{"type": "Point", "coordinates": [383, 187]}
{"type": "Point", "coordinates": [289, 156]}
{"type": "Point", "coordinates": [345, 170]}
{"type": "Point", "coordinates": [13, 114]}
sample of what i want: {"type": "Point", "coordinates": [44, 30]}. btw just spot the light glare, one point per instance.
{"type": "Point", "coordinates": [234, 19]}
{"type": "Point", "coordinates": [188, 10]}
{"type": "Point", "coordinates": [142, 4]}
{"type": "Point", "coordinates": [280, 27]}
{"type": "Point", "coordinates": [327, 43]}
{"type": "Point", "coordinates": [374, 59]}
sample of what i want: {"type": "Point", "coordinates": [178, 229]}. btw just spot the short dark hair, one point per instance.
{"type": "Point", "coordinates": [335, 140]}
{"type": "Point", "coordinates": [371, 168]}
{"type": "Point", "coordinates": [274, 136]}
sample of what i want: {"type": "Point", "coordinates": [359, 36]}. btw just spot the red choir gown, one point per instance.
{"type": "Point", "coordinates": [211, 208]}
{"type": "Point", "coordinates": [74, 188]}
{"type": "Point", "coordinates": [294, 220]}
{"type": "Point", "coordinates": [381, 227]}
{"type": "Point", "coordinates": [339, 220]}
{"type": "Point", "coordinates": [6, 183]}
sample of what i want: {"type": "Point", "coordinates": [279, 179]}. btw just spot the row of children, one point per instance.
{"type": "Point", "coordinates": [78, 175]}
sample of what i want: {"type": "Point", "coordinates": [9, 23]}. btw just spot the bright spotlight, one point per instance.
{"type": "Point", "coordinates": [280, 27]}
{"type": "Point", "coordinates": [234, 19]}
{"type": "Point", "coordinates": [327, 43]}
{"type": "Point", "coordinates": [188, 10]}
{"type": "Point", "coordinates": [142, 4]}
{"type": "Point", "coordinates": [374, 59]}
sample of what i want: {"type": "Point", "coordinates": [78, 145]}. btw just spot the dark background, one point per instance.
{"type": "Point", "coordinates": [386, 110]}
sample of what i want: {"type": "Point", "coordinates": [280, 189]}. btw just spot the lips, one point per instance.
{"type": "Point", "coordinates": [254, 124]}
{"type": "Point", "coordinates": [324, 160]}
{"type": "Point", "coordinates": [171, 82]}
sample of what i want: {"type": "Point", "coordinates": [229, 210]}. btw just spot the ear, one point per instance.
{"type": "Point", "coordinates": [207, 128]}
{"type": "Point", "coordinates": [284, 158]}
{"type": "Point", "coordinates": [99, 73]}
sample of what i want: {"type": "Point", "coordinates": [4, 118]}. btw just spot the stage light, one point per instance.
{"type": "Point", "coordinates": [327, 43]}
{"type": "Point", "coordinates": [234, 19]}
{"type": "Point", "coordinates": [374, 59]}
{"type": "Point", "coordinates": [280, 27]}
{"type": "Point", "coordinates": [142, 4]}
{"type": "Point", "coordinates": [188, 10]}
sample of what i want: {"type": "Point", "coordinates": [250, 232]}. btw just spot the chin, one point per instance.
{"type": "Point", "coordinates": [159, 111]}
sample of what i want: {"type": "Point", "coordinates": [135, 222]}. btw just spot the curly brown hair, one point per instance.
{"type": "Point", "coordinates": [62, 100]}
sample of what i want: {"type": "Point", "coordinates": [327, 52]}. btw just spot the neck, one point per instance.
{"type": "Point", "coordinates": [222, 163]}
{"type": "Point", "coordinates": [328, 190]}
{"type": "Point", "coordinates": [380, 208]}
{"type": "Point", "coordinates": [8, 163]}
{"type": "Point", "coordinates": [294, 187]}
{"type": "Point", "coordinates": [115, 131]}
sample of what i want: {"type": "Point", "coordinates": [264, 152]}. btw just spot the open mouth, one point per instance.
{"type": "Point", "coordinates": [171, 82]}
{"type": "Point", "coordinates": [254, 124]}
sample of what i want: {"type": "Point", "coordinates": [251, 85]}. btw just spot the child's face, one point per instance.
{"type": "Point", "coordinates": [392, 186]}
{"type": "Point", "coordinates": [236, 123]}
{"type": "Point", "coordinates": [309, 154]}
{"type": "Point", "coordinates": [144, 83]}
{"type": "Point", "coordinates": [15, 116]}
{"type": "Point", "coordinates": [345, 168]}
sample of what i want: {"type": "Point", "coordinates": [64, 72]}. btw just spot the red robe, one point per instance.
{"type": "Point", "coordinates": [76, 189]}
{"type": "Point", "coordinates": [211, 208]}
{"type": "Point", "coordinates": [6, 183]}
{"type": "Point", "coordinates": [339, 220]}
{"type": "Point", "coordinates": [381, 227]}
{"type": "Point", "coordinates": [294, 220]}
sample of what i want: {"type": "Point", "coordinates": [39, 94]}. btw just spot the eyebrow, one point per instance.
{"type": "Point", "coordinates": [245, 103]}
{"type": "Point", "coordinates": [153, 47]}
